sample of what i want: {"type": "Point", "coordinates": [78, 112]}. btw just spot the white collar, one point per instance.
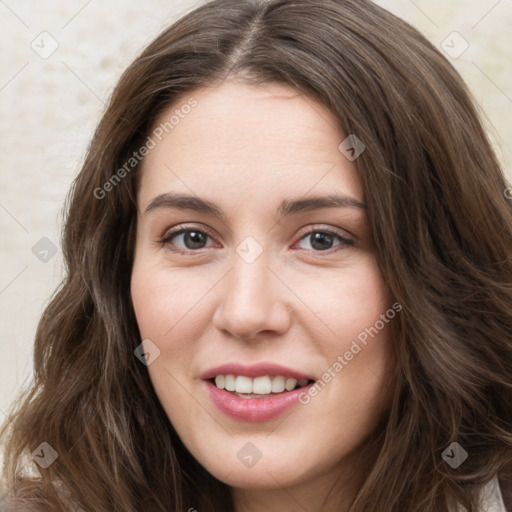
{"type": "Point", "coordinates": [491, 499]}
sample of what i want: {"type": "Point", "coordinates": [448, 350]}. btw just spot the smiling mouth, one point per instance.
{"type": "Point", "coordinates": [259, 387]}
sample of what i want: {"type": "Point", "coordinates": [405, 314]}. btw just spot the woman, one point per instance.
{"type": "Point", "coordinates": [288, 282]}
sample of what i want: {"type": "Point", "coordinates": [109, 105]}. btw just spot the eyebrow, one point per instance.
{"type": "Point", "coordinates": [287, 207]}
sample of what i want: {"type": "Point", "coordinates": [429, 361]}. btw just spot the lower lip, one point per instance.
{"type": "Point", "coordinates": [254, 409]}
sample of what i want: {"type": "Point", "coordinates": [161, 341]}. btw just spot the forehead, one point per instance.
{"type": "Point", "coordinates": [248, 140]}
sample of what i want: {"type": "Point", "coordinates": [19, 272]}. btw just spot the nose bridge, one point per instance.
{"type": "Point", "coordinates": [252, 298]}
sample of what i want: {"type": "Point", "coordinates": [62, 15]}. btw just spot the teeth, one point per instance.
{"type": "Point", "coordinates": [264, 385]}
{"type": "Point", "coordinates": [243, 384]}
{"type": "Point", "coordinates": [278, 384]}
{"type": "Point", "coordinates": [290, 384]}
{"type": "Point", "coordinates": [261, 386]}
{"type": "Point", "coordinates": [229, 383]}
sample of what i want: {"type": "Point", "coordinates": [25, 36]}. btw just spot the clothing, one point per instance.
{"type": "Point", "coordinates": [492, 500]}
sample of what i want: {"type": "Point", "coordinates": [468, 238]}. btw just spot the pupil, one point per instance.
{"type": "Point", "coordinates": [194, 239]}
{"type": "Point", "coordinates": [321, 241]}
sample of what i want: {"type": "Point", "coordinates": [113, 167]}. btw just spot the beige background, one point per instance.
{"type": "Point", "coordinates": [49, 108]}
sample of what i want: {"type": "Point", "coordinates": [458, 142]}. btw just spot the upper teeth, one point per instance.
{"type": "Point", "coordinates": [259, 386]}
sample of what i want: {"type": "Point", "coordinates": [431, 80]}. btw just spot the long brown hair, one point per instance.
{"type": "Point", "coordinates": [443, 236]}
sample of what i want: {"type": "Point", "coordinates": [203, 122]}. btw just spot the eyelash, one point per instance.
{"type": "Point", "coordinates": [168, 236]}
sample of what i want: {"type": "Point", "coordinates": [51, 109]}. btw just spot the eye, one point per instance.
{"type": "Point", "coordinates": [323, 240]}
{"type": "Point", "coordinates": [187, 239]}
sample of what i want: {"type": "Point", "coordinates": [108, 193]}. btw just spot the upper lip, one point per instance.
{"type": "Point", "coordinates": [255, 370]}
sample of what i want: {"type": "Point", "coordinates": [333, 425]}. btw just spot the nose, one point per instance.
{"type": "Point", "coordinates": [253, 301]}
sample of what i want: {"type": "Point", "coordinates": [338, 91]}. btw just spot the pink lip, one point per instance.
{"type": "Point", "coordinates": [255, 370]}
{"type": "Point", "coordinates": [253, 409]}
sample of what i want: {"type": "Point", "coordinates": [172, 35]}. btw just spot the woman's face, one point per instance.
{"type": "Point", "coordinates": [263, 284]}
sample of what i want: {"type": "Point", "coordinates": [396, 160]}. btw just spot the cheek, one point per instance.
{"type": "Point", "coordinates": [353, 332]}
{"type": "Point", "coordinates": [345, 303]}
{"type": "Point", "coordinates": [167, 309]}
{"type": "Point", "coordinates": [166, 301]}
{"type": "Point", "coordinates": [173, 310]}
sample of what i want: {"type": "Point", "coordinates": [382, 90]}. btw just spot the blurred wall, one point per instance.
{"type": "Point", "coordinates": [59, 63]}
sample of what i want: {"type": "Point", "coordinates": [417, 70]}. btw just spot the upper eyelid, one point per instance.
{"type": "Point", "coordinates": [179, 229]}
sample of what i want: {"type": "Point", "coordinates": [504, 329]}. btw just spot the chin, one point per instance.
{"type": "Point", "coordinates": [263, 477]}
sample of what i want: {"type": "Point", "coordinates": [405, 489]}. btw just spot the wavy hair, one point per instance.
{"type": "Point", "coordinates": [443, 236]}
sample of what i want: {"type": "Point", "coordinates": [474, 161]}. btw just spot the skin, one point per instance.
{"type": "Point", "coordinates": [246, 149]}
